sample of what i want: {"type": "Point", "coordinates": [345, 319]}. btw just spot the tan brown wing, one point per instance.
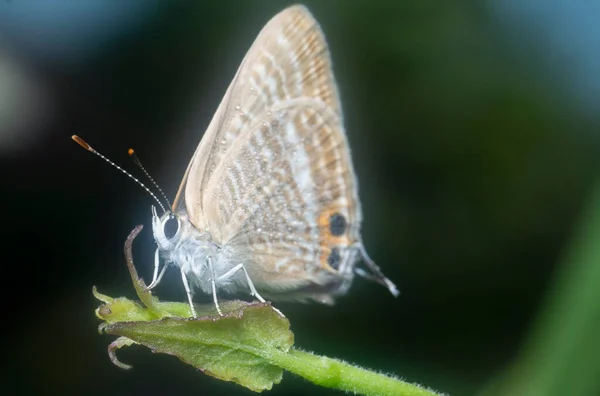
{"type": "Point", "coordinates": [289, 59]}
{"type": "Point", "coordinates": [285, 201]}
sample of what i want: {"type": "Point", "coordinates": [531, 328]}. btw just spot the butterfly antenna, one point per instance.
{"type": "Point", "coordinates": [139, 164]}
{"type": "Point", "coordinates": [89, 148]}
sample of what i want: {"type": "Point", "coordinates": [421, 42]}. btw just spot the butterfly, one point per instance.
{"type": "Point", "coordinates": [269, 202]}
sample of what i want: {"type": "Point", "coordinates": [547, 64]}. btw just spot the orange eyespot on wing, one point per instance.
{"type": "Point", "coordinates": [333, 235]}
{"type": "Point", "coordinates": [337, 224]}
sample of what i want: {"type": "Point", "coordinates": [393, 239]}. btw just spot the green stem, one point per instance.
{"type": "Point", "coordinates": [333, 373]}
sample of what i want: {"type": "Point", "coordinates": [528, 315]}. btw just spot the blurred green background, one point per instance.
{"type": "Point", "coordinates": [473, 127]}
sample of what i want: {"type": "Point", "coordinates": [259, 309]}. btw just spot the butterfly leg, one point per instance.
{"type": "Point", "coordinates": [214, 284]}
{"type": "Point", "coordinates": [188, 291]}
{"type": "Point", "coordinates": [162, 272]}
{"type": "Point", "coordinates": [253, 291]}
{"type": "Point", "coordinates": [233, 271]}
{"type": "Point", "coordinates": [156, 277]}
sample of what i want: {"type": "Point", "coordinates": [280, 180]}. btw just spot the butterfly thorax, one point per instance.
{"type": "Point", "coordinates": [183, 245]}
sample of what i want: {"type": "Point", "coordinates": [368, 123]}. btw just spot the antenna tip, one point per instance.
{"type": "Point", "coordinates": [81, 142]}
{"type": "Point", "coordinates": [130, 152]}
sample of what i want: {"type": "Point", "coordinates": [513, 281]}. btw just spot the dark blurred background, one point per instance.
{"type": "Point", "coordinates": [473, 127]}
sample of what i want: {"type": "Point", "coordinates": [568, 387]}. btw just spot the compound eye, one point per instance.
{"type": "Point", "coordinates": [171, 226]}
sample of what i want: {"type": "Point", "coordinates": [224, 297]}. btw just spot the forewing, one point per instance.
{"type": "Point", "coordinates": [288, 60]}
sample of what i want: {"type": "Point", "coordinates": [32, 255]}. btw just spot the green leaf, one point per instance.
{"type": "Point", "coordinates": [235, 347]}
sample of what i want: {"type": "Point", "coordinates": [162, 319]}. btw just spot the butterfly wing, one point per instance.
{"type": "Point", "coordinates": [272, 180]}
{"type": "Point", "coordinates": [288, 59]}
{"type": "Point", "coordinates": [286, 205]}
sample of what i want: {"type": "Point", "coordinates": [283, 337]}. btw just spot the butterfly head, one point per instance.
{"type": "Point", "coordinates": [168, 229]}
